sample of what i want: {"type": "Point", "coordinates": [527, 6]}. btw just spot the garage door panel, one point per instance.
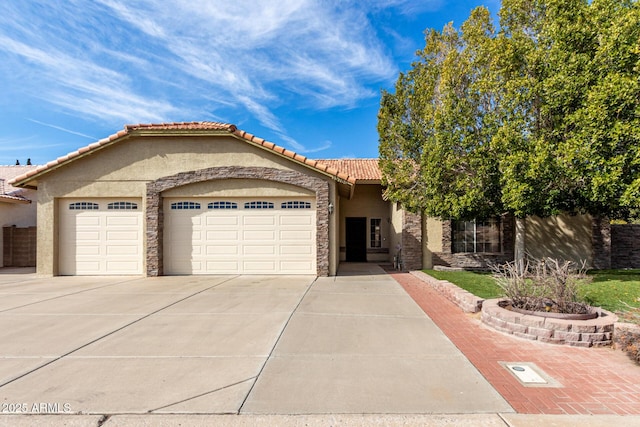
{"type": "Point", "coordinates": [295, 266]}
{"type": "Point", "coordinates": [87, 266]}
{"type": "Point", "coordinates": [266, 219]}
{"type": "Point", "coordinates": [293, 220]}
{"type": "Point", "coordinates": [296, 250]}
{"type": "Point", "coordinates": [119, 250]}
{"type": "Point", "coordinates": [223, 266]}
{"type": "Point", "coordinates": [258, 250]}
{"type": "Point", "coordinates": [305, 235]}
{"type": "Point", "coordinates": [126, 236]}
{"type": "Point", "coordinates": [259, 266]}
{"type": "Point", "coordinates": [89, 236]}
{"type": "Point", "coordinates": [83, 220]}
{"type": "Point", "coordinates": [260, 235]}
{"type": "Point", "coordinates": [87, 250]}
{"type": "Point", "coordinates": [130, 266]}
{"type": "Point", "coordinates": [120, 220]}
{"type": "Point", "coordinates": [222, 220]}
{"type": "Point", "coordinates": [222, 249]}
{"type": "Point", "coordinates": [218, 235]}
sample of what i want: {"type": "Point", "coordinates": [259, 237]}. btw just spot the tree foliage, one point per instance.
{"type": "Point", "coordinates": [540, 117]}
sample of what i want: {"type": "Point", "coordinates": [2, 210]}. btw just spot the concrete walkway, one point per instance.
{"type": "Point", "coordinates": [359, 344]}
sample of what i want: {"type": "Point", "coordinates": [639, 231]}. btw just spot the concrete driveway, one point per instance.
{"type": "Point", "coordinates": [356, 343]}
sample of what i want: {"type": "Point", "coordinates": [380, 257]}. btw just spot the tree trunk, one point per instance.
{"type": "Point", "coordinates": [519, 249]}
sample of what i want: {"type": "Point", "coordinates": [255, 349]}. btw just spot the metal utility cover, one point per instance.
{"type": "Point", "coordinates": [530, 375]}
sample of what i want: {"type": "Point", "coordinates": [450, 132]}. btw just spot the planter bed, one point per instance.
{"type": "Point", "coordinates": [581, 333]}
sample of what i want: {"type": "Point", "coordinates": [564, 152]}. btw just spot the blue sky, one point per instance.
{"type": "Point", "coordinates": [303, 74]}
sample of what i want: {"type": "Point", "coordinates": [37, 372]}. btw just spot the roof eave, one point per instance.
{"type": "Point", "coordinates": [14, 200]}
{"type": "Point", "coordinates": [295, 157]}
{"type": "Point", "coordinates": [24, 180]}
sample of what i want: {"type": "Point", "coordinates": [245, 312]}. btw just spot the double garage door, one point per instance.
{"type": "Point", "coordinates": [201, 236]}
{"type": "Point", "coordinates": [233, 236]}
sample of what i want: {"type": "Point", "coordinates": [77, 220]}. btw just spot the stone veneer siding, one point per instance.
{"type": "Point", "coordinates": [625, 245]}
{"type": "Point", "coordinates": [412, 241]}
{"type": "Point", "coordinates": [467, 260]}
{"type": "Point", "coordinates": [155, 214]}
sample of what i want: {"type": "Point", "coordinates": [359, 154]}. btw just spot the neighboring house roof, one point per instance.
{"type": "Point", "coordinates": [360, 169]}
{"type": "Point", "coordinates": [9, 193]}
{"type": "Point", "coordinates": [184, 128]}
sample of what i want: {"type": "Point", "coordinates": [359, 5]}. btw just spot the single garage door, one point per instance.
{"type": "Point", "coordinates": [239, 236]}
{"type": "Point", "coordinates": [100, 237]}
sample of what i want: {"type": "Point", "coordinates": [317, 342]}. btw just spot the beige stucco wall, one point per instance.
{"type": "Point", "coordinates": [367, 202]}
{"type": "Point", "coordinates": [431, 239]}
{"type": "Point", "coordinates": [18, 214]}
{"type": "Point", "coordinates": [563, 236]}
{"type": "Point", "coordinates": [124, 169]}
{"type": "Point", "coordinates": [395, 234]}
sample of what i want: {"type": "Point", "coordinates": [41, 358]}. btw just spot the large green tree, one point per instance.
{"type": "Point", "coordinates": [540, 117]}
{"type": "Point", "coordinates": [435, 130]}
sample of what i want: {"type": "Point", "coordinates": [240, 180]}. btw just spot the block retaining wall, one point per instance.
{"type": "Point", "coordinates": [580, 333]}
{"type": "Point", "coordinates": [467, 301]}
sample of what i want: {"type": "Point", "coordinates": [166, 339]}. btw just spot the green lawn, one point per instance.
{"type": "Point", "coordinates": [609, 289]}
{"type": "Point", "coordinates": [479, 284]}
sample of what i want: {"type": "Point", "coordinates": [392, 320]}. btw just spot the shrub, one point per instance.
{"type": "Point", "coordinates": [544, 284]}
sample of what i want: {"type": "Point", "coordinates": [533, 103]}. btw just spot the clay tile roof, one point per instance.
{"type": "Point", "coordinates": [183, 126]}
{"type": "Point", "coordinates": [360, 169]}
{"type": "Point", "coordinates": [9, 193]}
{"type": "Point", "coordinates": [159, 128]}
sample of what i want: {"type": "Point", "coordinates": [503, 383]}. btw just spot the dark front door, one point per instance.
{"type": "Point", "coordinates": [356, 236]}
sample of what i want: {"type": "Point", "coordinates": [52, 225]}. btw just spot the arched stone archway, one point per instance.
{"type": "Point", "coordinates": [155, 214]}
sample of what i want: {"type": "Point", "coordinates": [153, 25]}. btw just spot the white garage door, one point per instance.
{"type": "Point", "coordinates": [239, 236]}
{"type": "Point", "coordinates": [100, 237]}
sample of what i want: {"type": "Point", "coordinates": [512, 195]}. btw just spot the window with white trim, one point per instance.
{"type": "Point", "coordinates": [84, 206]}
{"type": "Point", "coordinates": [185, 206]}
{"type": "Point", "coordinates": [129, 206]}
{"type": "Point", "coordinates": [258, 205]}
{"type": "Point", "coordinates": [476, 236]}
{"type": "Point", "coordinates": [376, 233]}
{"type": "Point", "coordinates": [295, 204]}
{"type": "Point", "coordinates": [222, 205]}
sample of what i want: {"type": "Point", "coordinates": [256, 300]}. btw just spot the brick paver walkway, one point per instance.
{"type": "Point", "coordinates": [593, 380]}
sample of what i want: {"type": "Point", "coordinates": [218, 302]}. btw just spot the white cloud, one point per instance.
{"type": "Point", "coordinates": [156, 60]}
{"type": "Point", "coordinates": [60, 128]}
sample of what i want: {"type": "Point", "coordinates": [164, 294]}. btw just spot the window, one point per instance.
{"type": "Point", "coordinates": [185, 205]}
{"type": "Point", "coordinates": [222, 205]}
{"type": "Point", "coordinates": [376, 236]}
{"type": "Point", "coordinates": [258, 205]}
{"type": "Point", "coordinates": [122, 206]}
{"type": "Point", "coordinates": [84, 206]}
{"type": "Point", "coordinates": [476, 235]}
{"type": "Point", "coordinates": [295, 205]}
